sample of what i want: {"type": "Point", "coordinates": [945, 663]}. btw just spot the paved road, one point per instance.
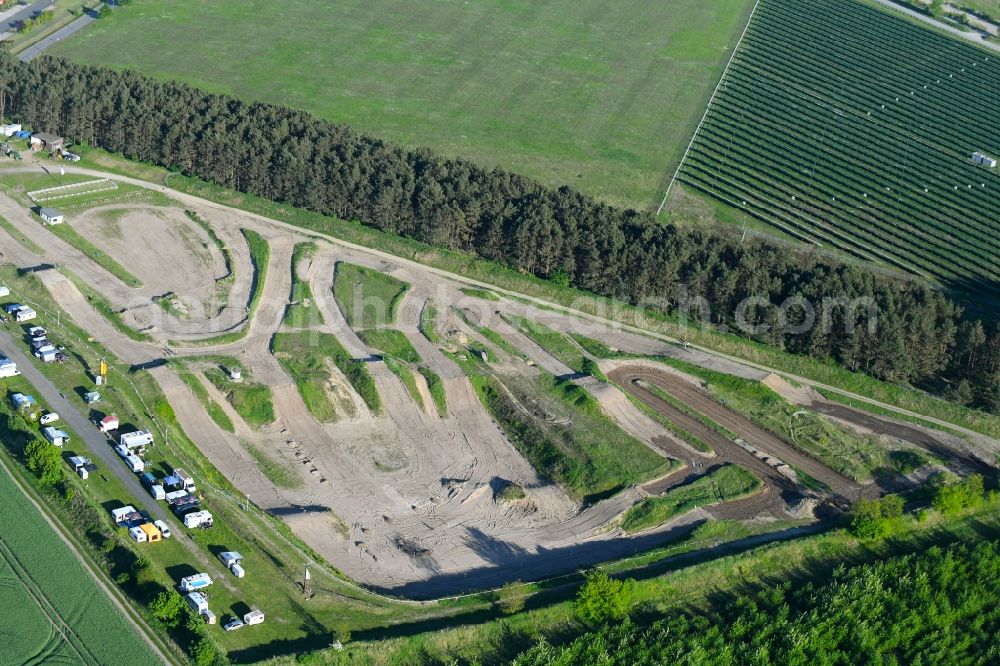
{"type": "Point", "coordinates": [76, 26]}
{"type": "Point", "coordinates": [11, 23]}
{"type": "Point", "coordinates": [971, 36]}
{"type": "Point", "coordinates": [50, 396]}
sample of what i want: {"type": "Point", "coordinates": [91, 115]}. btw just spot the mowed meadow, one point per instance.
{"type": "Point", "coordinates": [603, 96]}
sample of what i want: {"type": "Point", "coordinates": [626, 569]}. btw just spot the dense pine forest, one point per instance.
{"type": "Point", "coordinates": [935, 607]}
{"type": "Point", "coordinates": [289, 156]}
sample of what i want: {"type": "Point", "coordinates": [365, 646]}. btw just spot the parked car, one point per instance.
{"type": "Point", "coordinates": [51, 417]}
{"type": "Point", "coordinates": [233, 624]}
{"type": "Point", "coordinates": [164, 528]}
{"type": "Point", "coordinates": [71, 157]}
{"type": "Point", "coordinates": [122, 450]}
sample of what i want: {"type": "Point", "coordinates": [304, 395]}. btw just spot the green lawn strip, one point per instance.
{"type": "Point", "coordinates": [551, 341]}
{"type": "Point", "coordinates": [405, 375]}
{"type": "Point", "coordinates": [302, 311]}
{"type": "Point", "coordinates": [16, 234]}
{"type": "Point", "coordinates": [842, 450]}
{"type": "Point", "coordinates": [227, 255]}
{"type": "Point", "coordinates": [598, 349]}
{"type": "Point", "coordinates": [303, 353]}
{"type": "Point", "coordinates": [260, 255]}
{"type": "Point", "coordinates": [391, 342]}
{"type": "Point", "coordinates": [484, 294]}
{"type": "Point", "coordinates": [105, 261]}
{"type": "Point", "coordinates": [280, 474]}
{"type": "Point", "coordinates": [428, 323]}
{"type": "Point", "coordinates": [498, 340]}
{"type": "Point", "coordinates": [505, 278]}
{"type": "Point", "coordinates": [672, 427]}
{"type": "Point", "coordinates": [367, 298]}
{"type": "Point", "coordinates": [722, 484]}
{"type": "Point", "coordinates": [214, 410]}
{"type": "Point", "coordinates": [251, 401]}
{"type": "Point", "coordinates": [588, 455]}
{"type": "Point", "coordinates": [102, 306]}
{"type": "Point", "coordinates": [436, 388]}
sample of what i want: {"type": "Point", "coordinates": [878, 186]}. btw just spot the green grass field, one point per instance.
{"type": "Point", "coordinates": [302, 312]}
{"type": "Point", "coordinates": [391, 342]}
{"type": "Point", "coordinates": [603, 96]}
{"type": "Point", "coordinates": [44, 589]}
{"type": "Point", "coordinates": [251, 401]}
{"type": "Point", "coordinates": [720, 485]}
{"type": "Point", "coordinates": [367, 298]}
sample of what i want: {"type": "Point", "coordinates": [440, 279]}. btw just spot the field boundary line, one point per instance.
{"type": "Point", "coordinates": [708, 107]}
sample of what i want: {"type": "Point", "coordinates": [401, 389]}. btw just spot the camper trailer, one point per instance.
{"type": "Point", "coordinates": [197, 519]}
{"type": "Point", "coordinates": [197, 602]}
{"type": "Point", "coordinates": [135, 463]}
{"type": "Point", "coordinates": [194, 582]}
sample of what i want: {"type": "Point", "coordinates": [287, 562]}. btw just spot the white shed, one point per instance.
{"type": "Point", "coordinates": [51, 216]}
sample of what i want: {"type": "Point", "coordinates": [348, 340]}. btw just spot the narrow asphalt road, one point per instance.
{"type": "Point", "coordinates": [100, 449]}
{"type": "Point", "coordinates": [68, 30]}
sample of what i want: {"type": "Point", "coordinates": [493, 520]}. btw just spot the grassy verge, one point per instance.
{"type": "Point", "coordinates": [498, 340]}
{"type": "Point", "coordinates": [69, 234]}
{"type": "Point", "coordinates": [301, 311]}
{"type": "Point", "coordinates": [214, 410]}
{"type": "Point", "coordinates": [598, 349]}
{"type": "Point", "coordinates": [436, 388]}
{"type": "Point", "coordinates": [391, 342]}
{"type": "Point", "coordinates": [260, 255]}
{"type": "Point", "coordinates": [484, 294]}
{"type": "Point", "coordinates": [428, 323]}
{"type": "Point", "coordinates": [104, 308]}
{"type": "Point", "coordinates": [251, 401]}
{"type": "Point", "coordinates": [722, 484]}
{"type": "Point", "coordinates": [367, 298]}
{"type": "Point", "coordinates": [504, 278]}
{"type": "Point", "coordinates": [16, 234]}
{"type": "Point", "coordinates": [406, 376]}
{"type": "Point", "coordinates": [279, 474]}
{"type": "Point", "coordinates": [551, 341]}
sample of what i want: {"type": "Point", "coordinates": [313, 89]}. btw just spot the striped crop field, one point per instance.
{"type": "Point", "coordinates": [854, 129]}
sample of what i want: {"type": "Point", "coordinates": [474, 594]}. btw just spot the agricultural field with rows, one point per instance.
{"type": "Point", "coordinates": [849, 128]}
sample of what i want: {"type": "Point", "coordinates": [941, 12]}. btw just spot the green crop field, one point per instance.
{"type": "Point", "coordinates": [854, 129]}
{"type": "Point", "coordinates": [603, 96]}
{"type": "Point", "coordinates": [53, 612]}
